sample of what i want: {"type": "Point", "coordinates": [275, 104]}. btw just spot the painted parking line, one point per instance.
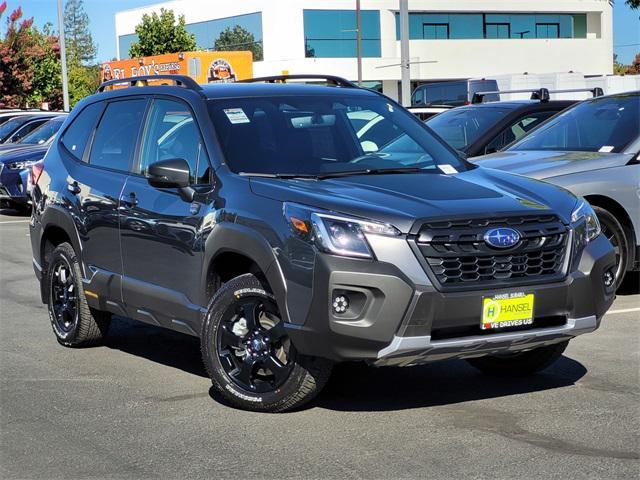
{"type": "Point", "coordinates": [14, 221]}
{"type": "Point", "coordinates": [624, 310]}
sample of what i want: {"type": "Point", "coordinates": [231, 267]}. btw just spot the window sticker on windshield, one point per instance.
{"type": "Point", "coordinates": [606, 149]}
{"type": "Point", "coordinates": [236, 115]}
{"type": "Point", "coordinates": [448, 169]}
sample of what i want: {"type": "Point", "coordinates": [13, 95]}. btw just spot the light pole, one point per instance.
{"type": "Point", "coordinates": [63, 58]}
{"type": "Point", "coordinates": [359, 42]}
{"type": "Point", "coordinates": [405, 77]}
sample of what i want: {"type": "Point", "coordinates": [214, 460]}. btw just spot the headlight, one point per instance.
{"type": "Point", "coordinates": [591, 224]}
{"type": "Point", "coordinates": [21, 165]}
{"type": "Point", "coordinates": [335, 234]}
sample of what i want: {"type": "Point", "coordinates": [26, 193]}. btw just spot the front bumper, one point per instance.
{"type": "Point", "coordinates": [400, 318]}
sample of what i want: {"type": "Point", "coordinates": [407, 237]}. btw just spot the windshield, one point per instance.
{"type": "Point", "coordinates": [604, 125]}
{"type": "Point", "coordinates": [10, 126]}
{"type": "Point", "coordinates": [461, 127]}
{"type": "Point", "coordinates": [43, 133]}
{"type": "Point", "coordinates": [322, 134]}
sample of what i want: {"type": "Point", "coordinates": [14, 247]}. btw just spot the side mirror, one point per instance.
{"type": "Point", "coordinates": [169, 173]}
{"type": "Point", "coordinates": [172, 173]}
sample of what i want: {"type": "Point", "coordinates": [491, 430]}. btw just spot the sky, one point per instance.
{"type": "Point", "coordinates": [626, 23]}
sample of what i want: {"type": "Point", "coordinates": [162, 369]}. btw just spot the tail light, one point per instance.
{"type": "Point", "coordinates": [36, 170]}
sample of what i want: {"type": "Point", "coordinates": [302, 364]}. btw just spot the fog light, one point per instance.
{"type": "Point", "coordinates": [609, 278]}
{"type": "Point", "coordinates": [340, 304]}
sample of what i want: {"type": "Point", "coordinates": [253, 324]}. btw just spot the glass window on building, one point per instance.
{"type": "Point", "coordinates": [436, 26]}
{"type": "Point", "coordinates": [208, 32]}
{"type": "Point", "coordinates": [332, 33]}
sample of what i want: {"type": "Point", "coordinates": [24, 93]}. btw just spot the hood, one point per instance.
{"type": "Point", "coordinates": [22, 152]}
{"type": "Point", "coordinates": [402, 199]}
{"type": "Point", "coordinates": [546, 164]}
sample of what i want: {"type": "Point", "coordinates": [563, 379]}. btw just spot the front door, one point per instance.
{"type": "Point", "coordinates": [162, 249]}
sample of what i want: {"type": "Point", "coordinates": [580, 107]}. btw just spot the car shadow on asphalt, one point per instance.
{"type": "Point", "coordinates": [355, 386]}
{"type": "Point", "coordinates": [11, 212]}
{"type": "Point", "coordinates": [630, 284]}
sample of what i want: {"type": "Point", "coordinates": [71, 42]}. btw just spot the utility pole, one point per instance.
{"type": "Point", "coordinates": [359, 42]}
{"type": "Point", "coordinates": [63, 58]}
{"type": "Point", "coordinates": [405, 74]}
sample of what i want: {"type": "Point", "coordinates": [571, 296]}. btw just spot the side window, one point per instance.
{"type": "Point", "coordinates": [116, 136]}
{"type": "Point", "coordinates": [523, 125]}
{"type": "Point", "coordinates": [25, 130]}
{"type": "Point", "coordinates": [171, 132]}
{"type": "Point", "coordinates": [496, 144]}
{"type": "Point", "coordinates": [418, 96]}
{"type": "Point", "coordinates": [77, 134]}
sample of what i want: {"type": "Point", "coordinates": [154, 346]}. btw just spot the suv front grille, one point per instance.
{"type": "Point", "coordinates": [457, 254]}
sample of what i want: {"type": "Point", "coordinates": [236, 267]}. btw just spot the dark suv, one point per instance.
{"type": "Point", "coordinates": [253, 216]}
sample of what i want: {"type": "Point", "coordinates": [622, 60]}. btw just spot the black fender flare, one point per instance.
{"type": "Point", "coordinates": [236, 238]}
{"type": "Point", "coordinates": [56, 217]}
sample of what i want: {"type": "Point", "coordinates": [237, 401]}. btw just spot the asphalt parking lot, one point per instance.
{"type": "Point", "coordinates": [140, 407]}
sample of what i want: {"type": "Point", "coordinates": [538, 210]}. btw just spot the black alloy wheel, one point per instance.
{"type": "Point", "coordinates": [252, 345]}
{"type": "Point", "coordinates": [63, 296]}
{"type": "Point", "coordinates": [614, 231]}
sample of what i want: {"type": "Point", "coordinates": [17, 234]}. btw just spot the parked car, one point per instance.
{"type": "Point", "coordinates": [483, 128]}
{"type": "Point", "coordinates": [251, 215]}
{"type": "Point", "coordinates": [453, 93]}
{"type": "Point", "coordinates": [17, 160]}
{"type": "Point", "coordinates": [17, 127]}
{"type": "Point", "coordinates": [593, 150]}
{"type": "Point", "coordinates": [40, 136]}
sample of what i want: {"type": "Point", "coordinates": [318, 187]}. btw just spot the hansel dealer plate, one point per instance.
{"type": "Point", "coordinates": [507, 310]}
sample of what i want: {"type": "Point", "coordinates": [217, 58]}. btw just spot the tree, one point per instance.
{"type": "Point", "coordinates": [79, 42]}
{"type": "Point", "coordinates": [239, 38]}
{"type": "Point", "coordinates": [634, 68]}
{"type": "Point", "coordinates": [29, 64]}
{"type": "Point", "coordinates": [158, 34]}
{"type": "Point", "coordinates": [633, 3]}
{"type": "Point", "coordinates": [618, 68]}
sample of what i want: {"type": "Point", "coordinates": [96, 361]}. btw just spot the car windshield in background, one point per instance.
{"type": "Point", "coordinates": [10, 126]}
{"type": "Point", "coordinates": [606, 125]}
{"type": "Point", "coordinates": [43, 133]}
{"type": "Point", "coordinates": [323, 135]}
{"type": "Point", "coordinates": [461, 127]}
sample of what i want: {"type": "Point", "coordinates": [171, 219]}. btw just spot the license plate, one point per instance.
{"type": "Point", "coordinates": [507, 310]}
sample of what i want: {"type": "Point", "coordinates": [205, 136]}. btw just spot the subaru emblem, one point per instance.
{"type": "Point", "coordinates": [501, 237]}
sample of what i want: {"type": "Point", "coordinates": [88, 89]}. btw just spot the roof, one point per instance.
{"type": "Point", "coordinates": [513, 104]}
{"type": "Point", "coordinates": [231, 90]}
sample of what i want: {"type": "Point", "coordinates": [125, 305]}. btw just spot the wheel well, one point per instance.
{"type": "Point", "coordinates": [621, 214]}
{"type": "Point", "coordinates": [52, 237]}
{"type": "Point", "coordinates": [228, 265]}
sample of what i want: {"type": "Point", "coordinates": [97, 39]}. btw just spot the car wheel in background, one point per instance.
{"type": "Point", "coordinates": [614, 231]}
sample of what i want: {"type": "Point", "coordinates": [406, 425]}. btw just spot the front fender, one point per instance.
{"type": "Point", "coordinates": [232, 237]}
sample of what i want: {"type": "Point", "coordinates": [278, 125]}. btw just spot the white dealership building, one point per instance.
{"type": "Point", "coordinates": [448, 39]}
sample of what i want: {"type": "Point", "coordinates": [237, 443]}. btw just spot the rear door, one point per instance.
{"type": "Point", "coordinates": [162, 252]}
{"type": "Point", "coordinates": [98, 163]}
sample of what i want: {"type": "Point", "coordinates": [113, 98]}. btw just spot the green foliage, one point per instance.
{"type": "Point", "coordinates": [622, 69]}
{"type": "Point", "coordinates": [158, 34]}
{"type": "Point", "coordinates": [83, 81]}
{"type": "Point", "coordinates": [29, 64]}
{"type": "Point", "coordinates": [633, 3]}
{"type": "Point", "coordinates": [78, 39]}
{"type": "Point", "coordinates": [239, 38]}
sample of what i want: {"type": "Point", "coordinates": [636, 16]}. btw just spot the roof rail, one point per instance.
{"type": "Point", "coordinates": [330, 79]}
{"type": "Point", "coordinates": [178, 80]}
{"type": "Point", "coordinates": [541, 94]}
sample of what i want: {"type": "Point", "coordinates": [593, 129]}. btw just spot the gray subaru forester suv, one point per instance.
{"type": "Point", "coordinates": [274, 222]}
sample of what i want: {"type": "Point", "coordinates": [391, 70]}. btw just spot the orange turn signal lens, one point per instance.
{"type": "Point", "coordinates": [299, 225]}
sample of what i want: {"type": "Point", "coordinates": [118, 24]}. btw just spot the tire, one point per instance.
{"type": "Point", "coordinates": [614, 231]}
{"type": "Point", "coordinates": [74, 323]}
{"type": "Point", "coordinates": [519, 364]}
{"type": "Point", "coordinates": [252, 363]}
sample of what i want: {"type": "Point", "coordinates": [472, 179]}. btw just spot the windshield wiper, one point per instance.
{"type": "Point", "coordinates": [278, 175]}
{"type": "Point", "coordinates": [371, 171]}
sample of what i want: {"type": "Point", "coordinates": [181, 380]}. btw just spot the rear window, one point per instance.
{"type": "Point", "coordinates": [77, 134]}
{"type": "Point", "coordinates": [604, 125]}
{"type": "Point", "coordinates": [117, 134]}
{"type": "Point", "coordinates": [10, 126]}
{"type": "Point", "coordinates": [461, 127]}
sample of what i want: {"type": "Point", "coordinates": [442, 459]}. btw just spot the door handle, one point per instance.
{"type": "Point", "coordinates": [73, 187]}
{"type": "Point", "coordinates": [131, 200]}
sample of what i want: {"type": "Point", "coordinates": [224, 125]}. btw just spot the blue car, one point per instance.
{"type": "Point", "coordinates": [16, 160]}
